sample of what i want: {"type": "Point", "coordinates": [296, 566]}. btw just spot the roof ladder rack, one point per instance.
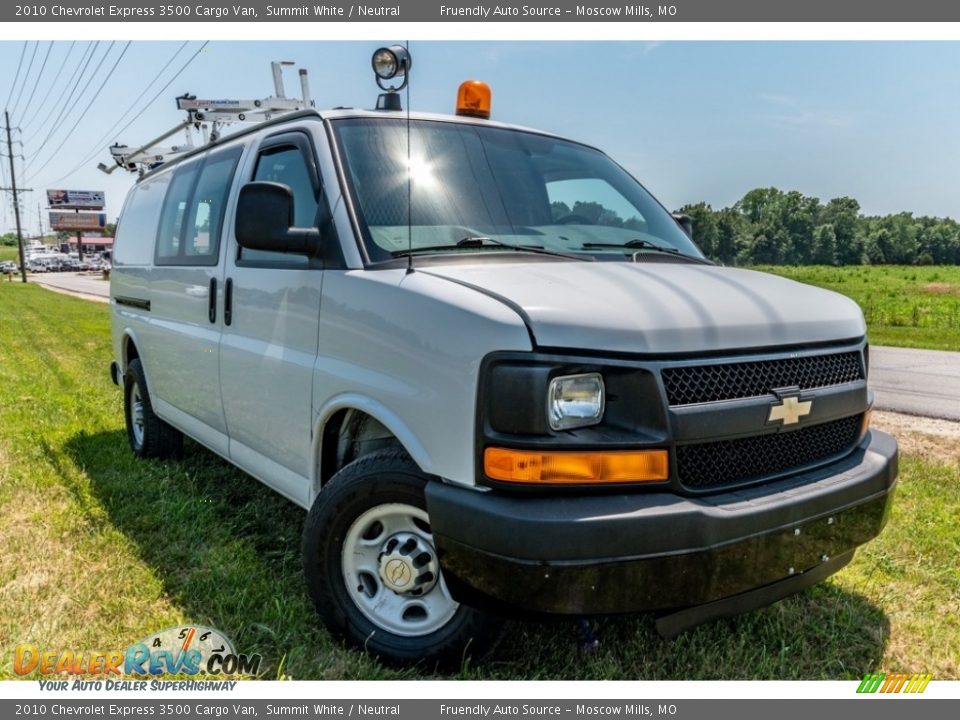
{"type": "Point", "coordinates": [205, 122]}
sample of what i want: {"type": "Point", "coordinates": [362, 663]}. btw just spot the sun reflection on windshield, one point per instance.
{"type": "Point", "coordinates": [421, 172]}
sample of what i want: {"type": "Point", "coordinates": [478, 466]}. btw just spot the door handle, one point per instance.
{"type": "Point", "coordinates": [228, 302]}
{"type": "Point", "coordinates": [212, 301]}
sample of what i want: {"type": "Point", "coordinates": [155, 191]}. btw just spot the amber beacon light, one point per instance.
{"type": "Point", "coordinates": [473, 99]}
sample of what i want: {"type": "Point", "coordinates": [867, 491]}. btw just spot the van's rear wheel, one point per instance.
{"type": "Point", "coordinates": [373, 571]}
{"type": "Point", "coordinates": [149, 436]}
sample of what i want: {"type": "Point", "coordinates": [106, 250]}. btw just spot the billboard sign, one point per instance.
{"type": "Point", "coordinates": [76, 199]}
{"type": "Point", "coordinates": [73, 221]}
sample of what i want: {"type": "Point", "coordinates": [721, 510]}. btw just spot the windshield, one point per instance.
{"type": "Point", "coordinates": [484, 187]}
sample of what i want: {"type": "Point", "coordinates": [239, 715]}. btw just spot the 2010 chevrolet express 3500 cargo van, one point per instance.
{"type": "Point", "coordinates": [496, 372]}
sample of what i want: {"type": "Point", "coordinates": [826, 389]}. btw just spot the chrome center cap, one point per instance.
{"type": "Point", "coordinates": [397, 574]}
{"type": "Point", "coordinates": [408, 564]}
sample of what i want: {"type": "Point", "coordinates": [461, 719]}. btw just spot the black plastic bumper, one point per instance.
{"type": "Point", "coordinates": [652, 551]}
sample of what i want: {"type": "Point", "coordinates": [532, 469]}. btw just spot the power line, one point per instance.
{"type": "Point", "coordinates": [43, 102]}
{"type": "Point", "coordinates": [16, 77]}
{"type": "Point", "coordinates": [26, 76]}
{"type": "Point", "coordinates": [67, 103]}
{"type": "Point", "coordinates": [97, 145]}
{"type": "Point", "coordinates": [86, 109]}
{"type": "Point", "coordinates": [75, 78]}
{"type": "Point", "coordinates": [145, 107]}
{"type": "Point", "coordinates": [36, 83]}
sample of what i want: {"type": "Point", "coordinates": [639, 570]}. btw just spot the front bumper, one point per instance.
{"type": "Point", "coordinates": [651, 551]}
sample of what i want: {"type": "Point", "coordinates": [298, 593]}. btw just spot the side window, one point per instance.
{"type": "Point", "coordinates": [193, 211]}
{"type": "Point", "coordinates": [286, 164]}
{"type": "Point", "coordinates": [135, 230]}
{"type": "Point", "coordinates": [593, 201]}
{"type": "Point", "coordinates": [174, 207]}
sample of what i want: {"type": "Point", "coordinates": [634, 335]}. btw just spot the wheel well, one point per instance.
{"type": "Point", "coordinates": [130, 351]}
{"type": "Point", "coordinates": [350, 434]}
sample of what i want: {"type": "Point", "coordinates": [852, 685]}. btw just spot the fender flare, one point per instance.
{"type": "Point", "coordinates": [379, 412]}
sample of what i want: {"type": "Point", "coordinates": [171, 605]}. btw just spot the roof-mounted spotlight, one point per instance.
{"type": "Point", "coordinates": [389, 63]}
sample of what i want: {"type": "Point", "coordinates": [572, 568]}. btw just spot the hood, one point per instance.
{"type": "Point", "coordinates": [660, 308]}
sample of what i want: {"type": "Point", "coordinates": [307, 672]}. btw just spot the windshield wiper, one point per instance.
{"type": "Point", "coordinates": [641, 244]}
{"type": "Point", "coordinates": [485, 243]}
{"type": "Point", "coordinates": [636, 243]}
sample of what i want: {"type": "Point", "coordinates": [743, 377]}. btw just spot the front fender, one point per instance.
{"type": "Point", "coordinates": [379, 412]}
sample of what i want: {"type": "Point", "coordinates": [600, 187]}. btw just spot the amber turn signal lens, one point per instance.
{"type": "Point", "coordinates": [865, 425]}
{"type": "Point", "coordinates": [473, 99]}
{"type": "Point", "coordinates": [566, 467]}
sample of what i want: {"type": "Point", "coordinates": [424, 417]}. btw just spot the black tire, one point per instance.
{"type": "Point", "coordinates": [152, 437]}
{"type": "Point", "coordinates": [380, 479]}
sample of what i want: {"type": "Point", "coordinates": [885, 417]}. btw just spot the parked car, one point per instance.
{"type": "Point", "coordinates": [497, 373]}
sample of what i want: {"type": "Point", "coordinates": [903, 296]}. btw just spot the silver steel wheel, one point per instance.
{"type": "Point", "coordinates": [391, 571]}
{"type": "Point", "coordinates": [136, 415]}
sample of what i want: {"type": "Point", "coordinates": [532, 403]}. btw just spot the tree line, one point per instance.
{"type": "Point", "coordinates": [772, 227]}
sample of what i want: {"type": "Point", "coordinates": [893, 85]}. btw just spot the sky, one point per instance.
{"type": "Point", "coordinates": [693, 121]}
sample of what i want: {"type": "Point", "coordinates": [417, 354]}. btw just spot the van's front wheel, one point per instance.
{"type": "Point", "coordinates": [373, 571]}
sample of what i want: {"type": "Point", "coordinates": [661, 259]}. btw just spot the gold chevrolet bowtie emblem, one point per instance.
{"type": "Point", "coordinates": [790, 410]}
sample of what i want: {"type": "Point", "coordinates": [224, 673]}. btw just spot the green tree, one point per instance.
{"type": "Point", "coordinates": [824, 245]}
{"type": "Point", "coordinates": [843, 214]}
{"type": "Point", "coordinates": [705, 229]}
{"type": "Point", "coordinates": [769, 225]}
{"type": "Point", "coordinates": [770, 249]}
{"type": "Point", "coordinates": [732, 237]}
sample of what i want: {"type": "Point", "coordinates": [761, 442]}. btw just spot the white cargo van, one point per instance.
{"type": "Point", "coordinates": [496, 372]}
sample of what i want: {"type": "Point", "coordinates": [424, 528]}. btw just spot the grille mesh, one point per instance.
{"type": "Point", "coordinates": [728, 462]}
{"type": "Point", "coordinates": [709, 383]}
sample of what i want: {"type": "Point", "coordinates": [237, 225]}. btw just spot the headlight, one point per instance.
{"type": "Point", "coordinates": [575, 401]}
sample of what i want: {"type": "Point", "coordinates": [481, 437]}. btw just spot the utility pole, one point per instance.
{"type": "Point", "coordinates": [79, 241]}
{"type": "Point", "coordinates": [39, 223]}
{"type": "Point", "coordinates": [16, 200]}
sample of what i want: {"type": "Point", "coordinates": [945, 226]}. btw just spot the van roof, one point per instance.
{"type": "Point", "coordinates": [337, 113]}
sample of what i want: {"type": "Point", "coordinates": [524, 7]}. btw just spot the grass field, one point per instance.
{"type": "Point", "coordinates": [904, 305]}
{"type": "Point", "coordinates": [101, 550]}
{"type": "Point", "coordinates": [8, 252]}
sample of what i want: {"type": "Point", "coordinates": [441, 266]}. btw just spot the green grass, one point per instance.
{"type": "Point", "coordinates": [101, 550]}
{"type": "Point", "coordinates": [9, 252]}
{"type": "Point", "coordinates": [904, 306]}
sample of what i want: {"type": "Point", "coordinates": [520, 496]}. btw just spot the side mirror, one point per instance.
{"type": "Point", "coordinates": [685, 222]}
{"type": "Point", "coordinates": [264, 221]}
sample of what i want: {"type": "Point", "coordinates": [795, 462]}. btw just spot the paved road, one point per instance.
{"type": "Point", "coordinates": [90, 285]}
{"type": "Point", "coordinates": [918, 382]}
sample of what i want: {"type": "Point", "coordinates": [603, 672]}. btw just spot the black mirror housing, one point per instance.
{"type": "Point", "coordinates": [264, 221]}
{"type": "Point", "coordinates": [685, 222]}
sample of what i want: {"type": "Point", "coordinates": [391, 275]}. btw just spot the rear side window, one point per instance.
{"type": "Point", "coordinates": [174, 209]}
{"type": "Point", "coordinates": [138, 222]}
{"type": "Point", "coordinates": [193, 211]}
